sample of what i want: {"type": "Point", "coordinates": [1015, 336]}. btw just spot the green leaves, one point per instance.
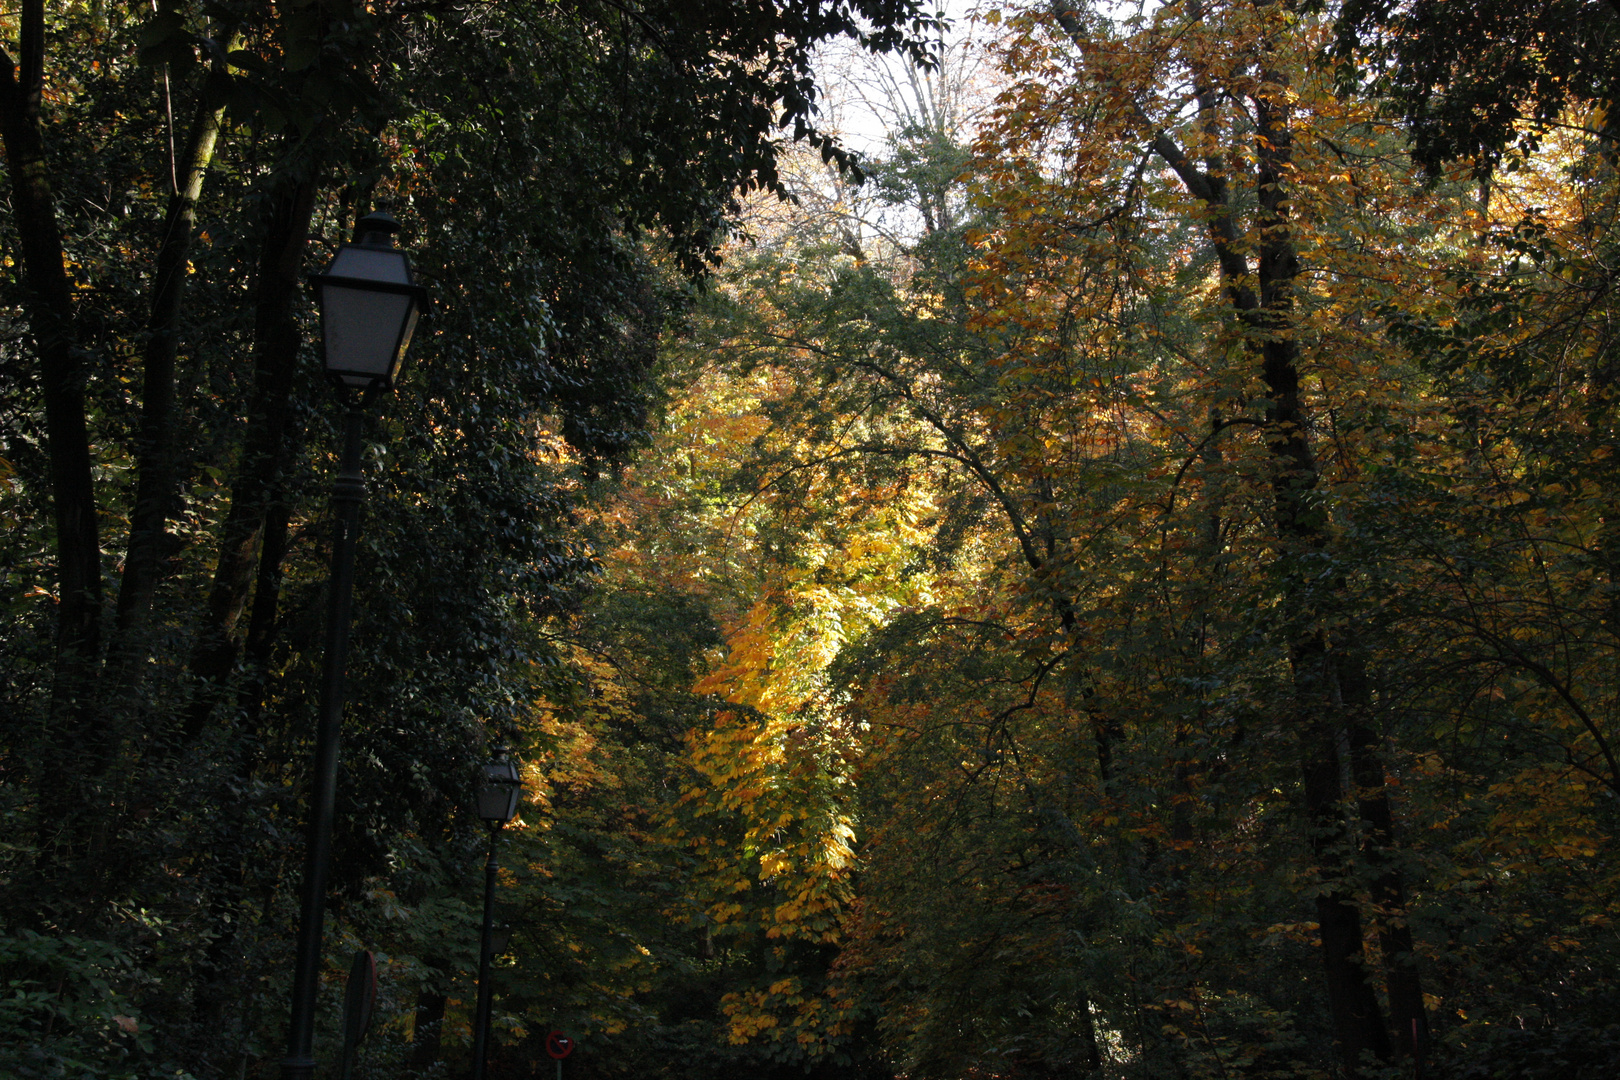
{"type": "Point", "coordinates": [62, 1006]}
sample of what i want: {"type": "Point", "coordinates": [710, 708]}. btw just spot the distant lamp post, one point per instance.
{"type": "Point", "coordinates": [369, 309]}
{"type": "Point", "coordinates": [499, 789]}
{"type": "Point", "coordinates": [500, 937]}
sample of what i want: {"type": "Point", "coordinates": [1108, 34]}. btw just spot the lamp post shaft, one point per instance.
{"type": "Point", "coordinates": [348, 491]}
{"type": "Point", "coordinates": [486, 990]}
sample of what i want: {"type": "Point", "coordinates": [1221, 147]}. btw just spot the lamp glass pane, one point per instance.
{"type": "Point", "coordinates": [410, 328]}
{"type": "Point", "coordinates": [363, 331]}
{"type": "Point", "coordinates": [371, 264]}
{"type": "Point", "coordinates": [493, 802]}
{"type": "Point", "coordinates": [498, 792]}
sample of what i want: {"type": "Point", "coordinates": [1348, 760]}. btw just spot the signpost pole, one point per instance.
{"type": "Point", "coordinates": [559, 1046]}
{"type": "Point", "coordinates": [359, 998]}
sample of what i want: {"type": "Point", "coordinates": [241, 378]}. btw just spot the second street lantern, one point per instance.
{"type": "Point", "coordinates": [498, 790]}
{"type": "Point", "coordinates": [369, 307]}
{"type": "Point", "coordinates": [499, 786]}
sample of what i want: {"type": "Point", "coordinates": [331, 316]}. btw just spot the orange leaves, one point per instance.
{"type": "Point", "coordinates": [744, 677]}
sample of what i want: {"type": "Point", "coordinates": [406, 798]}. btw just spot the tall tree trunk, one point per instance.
{"type": "Point", "coordinates": [267, 445]}
{"type": "Point", "coordinates": [73, 732]}
{"type": "Point", "coordinates": [1266, 310]}
{"type": "Point", "coordinates": [155, 494]}
{"type": "Point", "coordinates": [61, 361]}
{"type": "Point", "coordinates": [427, 1032]}
{"type": "Point", "coordinates": [1090, 1048]}
{"type": "Point", "coordinates": [265, 615]}
{"type": "Point", "coordinates": [1408, 1017]}
{"type": "Point", "coordinates": [1318, 681]}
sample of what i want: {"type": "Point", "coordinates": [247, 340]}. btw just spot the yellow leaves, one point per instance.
{"type": "Point", "coordinates": [838, 845]}
{"type": "Point", "coordinates": [744, 677]}
{"type": "Point", "coordinates": [784, 1010]}
{"type": "Point", "coordinates": [1302, 933]}
{"type": "Point", "coordinates": [1583, 848]}
{"type": "Point", "coordinates": [745, 1023]}
{"type": "Point", "coordinates": [776, 847]}
{"type": "Point", "coordinates": [778, 649]}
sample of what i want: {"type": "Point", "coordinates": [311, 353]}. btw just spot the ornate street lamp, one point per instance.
{"type": "Point", "coordinates": [499, 788]}
{"type": "Point", "coordinates": [369, 309]}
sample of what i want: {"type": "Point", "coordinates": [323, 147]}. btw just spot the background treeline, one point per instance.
{"type": "Point", "coordinates": [1128, 590]}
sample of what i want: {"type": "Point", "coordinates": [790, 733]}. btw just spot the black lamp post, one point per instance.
{"type": "Point", "coordinates": [369, 307]}
{"type": "Point", "coordinates": [498, 792]}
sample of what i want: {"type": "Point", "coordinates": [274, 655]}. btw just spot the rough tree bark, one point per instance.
{"type": "Point", "coordinates": [50, 311]}
{"type": "Point", "coordinates": [267, 444]}
{"type": "Point", "coordinates": [61, 361]}
{"type": "Point", "coordinates": [155, 494]}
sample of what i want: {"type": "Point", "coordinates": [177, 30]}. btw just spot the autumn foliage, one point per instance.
{"type": "Point", "coordinates": [1122, 581]}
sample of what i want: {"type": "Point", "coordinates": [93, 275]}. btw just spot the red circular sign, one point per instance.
{"type": "Point", "coordinates": [559, 1045]}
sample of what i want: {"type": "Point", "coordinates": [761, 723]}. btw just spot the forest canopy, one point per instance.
{"type": "Point", "coordinates": [1031, 540]}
